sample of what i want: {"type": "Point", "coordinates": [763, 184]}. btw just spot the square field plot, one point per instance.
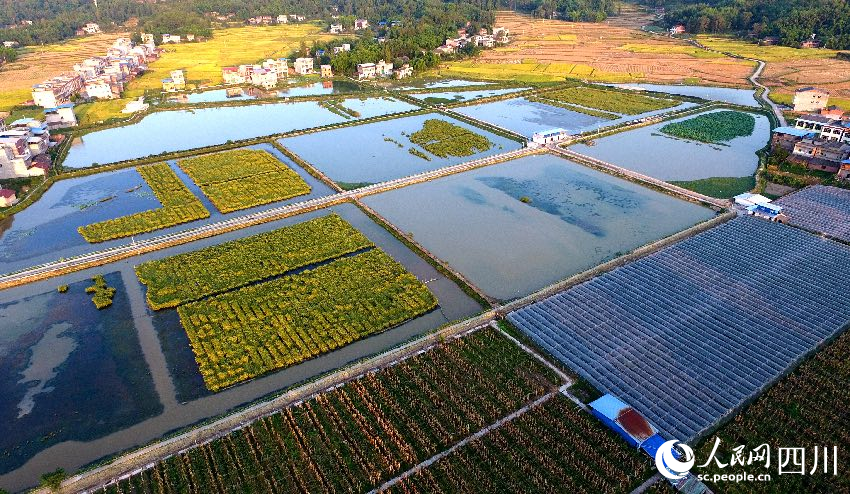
{"type": "Point", "coordinates": [383, 151]}
{"type": "Point", "coordinates": [526, 117]}
{"type": "Point", "coordinates": [243, 178]}
{"type": "Point", "coordinates": [821, 209]}
{"type": "Point", "coordinates": [691, 333]}
{"type": "Point", "coordinates": [515, 227]}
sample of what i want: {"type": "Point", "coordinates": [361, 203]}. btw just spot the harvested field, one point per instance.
{"type": "Point", "coordinates": [689, 334]}
{"type": "Point", "coordinates": [547, 50]}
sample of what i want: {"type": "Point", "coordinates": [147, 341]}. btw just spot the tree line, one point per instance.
{"type": "Point", "coordinates": [791, 21]}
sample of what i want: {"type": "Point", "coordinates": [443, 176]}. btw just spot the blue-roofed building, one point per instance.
{"type": "Point", "coordinates": [786, 137]}
{"type": "Point", "coordinates": [768, 211]}
{"type": "Point", "coordinates": [549, 136]}
{"type": "Point", "coordinates": [623, 419]}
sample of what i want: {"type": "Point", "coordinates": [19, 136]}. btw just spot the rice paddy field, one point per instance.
{"type": "Point", "coordinates": [690, 334]}
{"type": "Point", "coordinates": [545, 50]}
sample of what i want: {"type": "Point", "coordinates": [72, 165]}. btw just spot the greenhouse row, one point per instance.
{"type": "Point", "coordinates": [821, 209]}
{"type": "Point", "coordinates": [692, 332]}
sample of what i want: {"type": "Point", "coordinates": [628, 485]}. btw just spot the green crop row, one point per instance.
{"type": "Point", "coordinates": [443, 139]}
{"type": "Point", "coordinates": [179, 205]}
{"type": "Point", "coordinates": [610, 101]}
{"type": "Point", "coordinates": [575, 108]}
{"type": "Point", "coordinates": [175, 280]}
{"type": "Point", "coordinates": [719, 126]}
{"type": "Point", "coordinates": [243, 178]}
{"type": "Point", "coordinates": [258, 328]}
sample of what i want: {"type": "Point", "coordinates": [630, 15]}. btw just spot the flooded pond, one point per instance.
{"type": "Point", "coordinates": [47, 230]}
{"type": "Point", "coordinates": [447, 83]}
{"type": "Point", "coordinates": [68, 371]}
{"type": "Point", "coordinates": [379, 151]}
{"type": "Point", "coordinates": [169, 131]}
{"type": "Point", "coordinates": [237, 93]}
{"type": "Point", "coordinates": [735, 96]}
{"type": "Point", "coordinates": [516, 227]}
{"type": "Point", "coordinates": [33, 340]}
{"type": "Point", "coordinates": [526, 117]}
{"type": "Point", "coordinates": [453, 96]}
{"type": "Point", "coordinates": [670, 158]}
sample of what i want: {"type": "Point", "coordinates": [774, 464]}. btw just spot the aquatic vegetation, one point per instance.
{"type": "Point", "coordinates": [175, 280]}
{"type": "Point", "coordinates": [419, 154]}
{"type": "Point", "coordinates": [443, 139]}
{"type": "Point", "coordinates": [243, 178]}
{"type": "Point", "coordinates": [259, 328]}
{"type": "Point", "coordinates": [102, 293]}
{"type": "Point", "coordinates": [62, 288]}
{"type": "Point", "coordinates": [713, 127]}
{"type": "Point", "coordinates": [179, 205]}
{"type": "Point", "coordinates": [610, 100]}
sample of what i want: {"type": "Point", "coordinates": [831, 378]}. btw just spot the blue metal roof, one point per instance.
{"type": "Point", "coordinates": [793, 131]}
{"type": "Point", "coordinates": [609, 406]}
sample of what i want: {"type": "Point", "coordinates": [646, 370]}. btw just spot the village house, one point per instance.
{"type": "Point", "coordinates": [403, 72]}
{"type": "Point", "coordinates": [366, 71]}
{"type": "Point", "coordinates": [769, 41]}
{"type": "Point", "coordinates": [810, 99]}
{"type": "Point", "coordinates": [485, 41]}
{"type": "Point", "coordinates": [171, 38]}
{"type": "Point", "coordinates": [11, 44]}
{"type": "Point", "coordinates": [677, 29]}
{"type": "Point", "coordinates": [304, 66]}
{"type": "Point", "coordinates": [342, 48]}
{"type": "Point", "coordinates": [832, 112]}
{"type": "Point", "coordinates": [326, 71]}
{"type": "Point", "coordinates": [810, 43]}
{"type": "Point", "coordinates": [360, 24]}
{"type": "Point", "coordinates": [23, 148]}
{"type": "Point", "coordinates": [282, 19]}
{"type": "Point", "coordinates": [844, 172]}
{"type": "Point", "coordinates": [91, 28]}
{"type": "Point", "coordinates": [176, 82]}
{"type": "Point", "coordinates": [827, 128]}
{"type": "Point", "coordinates": [190, 37]}
{"type": "Point", "coordinates": [787, 137]}
{"type": "Point", "coordinates": [280, 66]}
{"type": "Point", "coordinates": [260, 20]}
{"type": "Point", "coordinates": [336, 28]}
{"type": "Point", "coordinates": [61, 116]}
{"type": "Point", "coordinates": [7, 197]}
{"type": "Point", "coordinates": [296, 18]}
{"type": "Point", "coordinates": [148, 38]}
{"type": "Point", "coordinates": [102, 88]}
{"type": "Point", "coordinates": [384, 69]}
{"type": "Point", "coordinates": [264, 78]}
{"type": "Point", "coordinates": [232, 75]}
{"type": "Point", "coordinates": [56, 91]}
{"type": "Point", "coordinates": [822, 155]}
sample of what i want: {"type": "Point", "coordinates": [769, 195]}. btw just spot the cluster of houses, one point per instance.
{"type": "Point", "coordinates": [23, 148]}
{"type": "Point", "coordinates": [383, 69]}
{"type": "Point", "coordinates": [102, 77]}
{"type": "Point", "coordinates": [359, 25]}
{"type": "Point", "coordinates": [500, 36]}
{"type": "Point", "coordinates": [89, 28]}
{"type": "Point", "coordinates": [176, 82]}
{"type": "Point", "coordinates": [265, 20]}
{"type": "Point", "coordinates": [818, 141]}
{"type": "Point", "coordinates": [267, 74]}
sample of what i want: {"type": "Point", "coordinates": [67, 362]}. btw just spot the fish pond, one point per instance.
{"type": "Point", "coordinates": [68, 371]}
{"type": "Point", "coordinates": [649, 151]}
{"type": "Point", "coordinates": [455, 96]}
{"type": "Point", "coordinates": [745, 97]}
{"type": "Point", "coordinates": [169, 131]}
{"type": "Point", "coordinates": [527, 117]}
{"type": "Point", "coordinates": [47, 229]}
{"type": "Point", "coordinates": [380, 151]}
{"type": "Point", "coordinates": [447, 83]}
{"type": "Point", "coordinates": [516, 227]}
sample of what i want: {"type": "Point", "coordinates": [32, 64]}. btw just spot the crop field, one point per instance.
{"type": "Point", "coordinates": [359, 435]}
{"type": "Point", "coordinates": [689, 334]}
{"type": "Point", "coordinates": [443, 139]}
{"type": "Point", "coordinates": [179, 205]}
{"type": "Point", "coordinates": [250, 331]}
{"type": "Point", "coordinates": [575, 108]}
{"type": "Point", "coordinates": [720, 187]}
{"type": "Point", "coordinates": [543, 50]}
{"type": "Point", "coordinates": [243, 178]}
{"type": "Point", "coordinates": [175, 280]}
{"type": "Point", "coordinates": [610, 101]}
{"type": "Point", "coordinates": [719, 126]}
{"type": "Point", "coordinates": [805, 409]}
{"type": "Point", "coordinates": [552, 445]}
{"type": "Point", "coordinates": [821, 209]}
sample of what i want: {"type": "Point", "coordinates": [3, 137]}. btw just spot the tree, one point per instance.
{"type": "Point", "coordinates": [53, 480]}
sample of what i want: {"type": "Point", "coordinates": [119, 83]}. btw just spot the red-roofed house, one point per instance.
{"type": "Point", "coordinates": [7, 197]}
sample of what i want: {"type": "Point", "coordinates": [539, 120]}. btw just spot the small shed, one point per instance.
{"type": "Point", "coordinates": [747, 199]}
{"type": "Point", "coordinates": [623, 419]}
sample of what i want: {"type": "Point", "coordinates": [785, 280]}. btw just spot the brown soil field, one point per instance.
{"type": "Point", "coordinates": [828, 73]}
{"type": "Point", "coordinates": [612, 51]}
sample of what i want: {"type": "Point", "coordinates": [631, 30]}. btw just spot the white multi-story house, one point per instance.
{"type": "Point", "coordinates": [403, 72]}
{"type": "Point", "coordinates": [91, 28]}
{"type": "Point", "coordinates": [336, 28]}
{"type": "Point", "coordinates": [56, 91]}
{"type": "Point", "coordinates": [366, 71]}
{"type": "Point", "coordinates": [266, 79]}
{"type": "Point", "coordinates": [61, 116]}
{"type": "Point", "coordinates": [304, 66]}
{"type": "Point", "coordinates": [384, 69]}
{"type": "Point", "coordinates": [171, 38]}
{"type": "Point", "coordinates": [101, 88]}
{"type": "Point", "coordinates": [360, 24]}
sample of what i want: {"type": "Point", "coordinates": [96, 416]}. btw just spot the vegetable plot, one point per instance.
{"type": "Point", "coordinates": [444, 139]}
{"type": "Point", "coordinates": [247, 332]}
{"type": "Point", "coordinates": [243, 178]}
{"type": "Point", "coordinates": [719, 126]}
{"type": "Point", "coordinates": [357, 436]}
{"type": "Point", "coordinates": [179, 205]}
{"type": "Point", "coordinates": [191, 276]}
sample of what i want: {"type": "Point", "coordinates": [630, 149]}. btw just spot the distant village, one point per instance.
{"type": "Point", "coordinates": [820, 137]}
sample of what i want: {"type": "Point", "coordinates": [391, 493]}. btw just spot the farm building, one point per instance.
{"type": "Point", "coordinates": [622, 419]}
{"type": "Point", "coordinates": [60, 116]}
{"type": "Point", "coordinates": [767, 211]}
{"type": "Point", "coordinates": [747, 199]}
{"type": "Point", "coordinates": [549, 136]}
{"type": "Point", "coordinates": [786, 137]}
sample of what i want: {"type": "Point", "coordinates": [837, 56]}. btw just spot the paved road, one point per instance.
{"type": "Point", "coordinates": [105, 256]}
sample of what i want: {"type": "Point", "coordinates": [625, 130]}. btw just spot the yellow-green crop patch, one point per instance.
{"type": "Point", "coordinates": [175, 280]}
{"type": "Point", "coordinates": [259, 328]}
{"type": "Point", "coordinates": [444, 139]}
{"type": "Point", "coordinates": [179, 205]}
{"type": "Point", "coordinates": [610, 101]}
{"type": "Point", "coordinates": [243, 178]}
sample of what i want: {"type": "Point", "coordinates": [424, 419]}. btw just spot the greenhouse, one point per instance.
{"type": "Point", "coordinates": [689, 334]}
{"type": "Point", "coordinates": [821, 209]}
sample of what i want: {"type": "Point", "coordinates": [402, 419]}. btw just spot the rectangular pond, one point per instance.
{"type": "Point", "coordinates": [68, 371]}
{"type": "Point", "coordinates": [47, 229]}
{"type": "Point", "coordinates": [526, 117]}
{"type": "Point", "coordinates": [447, 83]}
{"type": "Point", "coordinates": [379, 151]}
{"type": "Point", "coordinates": [649, 151]}
{"type": "Point", "coordinates": [169, 131]}
{"type": "Point", "coordinates": [745, 97]}
{"type": "Point", "coordinates": [454, 96]}
{"type": "Point", "coordinates": [516, 227]}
